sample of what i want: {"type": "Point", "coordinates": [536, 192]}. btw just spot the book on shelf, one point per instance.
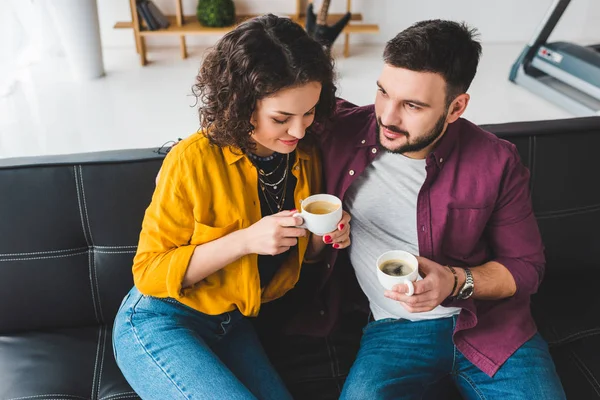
{"type": "Point", "coordinates": [151, 14]}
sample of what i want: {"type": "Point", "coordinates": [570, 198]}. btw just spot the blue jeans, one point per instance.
{"type": "Point", "coordinates": [399, 359]}
{"type": "Point", "coordinates": [167, 350]}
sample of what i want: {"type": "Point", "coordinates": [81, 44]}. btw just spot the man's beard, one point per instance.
{"type": "Point", "coordinates": [419, 144]}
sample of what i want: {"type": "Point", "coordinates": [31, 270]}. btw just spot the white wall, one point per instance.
{"type": "Point", "coordinates": [497, 21]}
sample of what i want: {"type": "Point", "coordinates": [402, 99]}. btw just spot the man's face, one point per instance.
{"type": "Point", "coordinates": [411, 110]}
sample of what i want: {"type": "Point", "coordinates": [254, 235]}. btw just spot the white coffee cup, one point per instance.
{"type": "Point", "coordinates": [389, 281]}
{"type": "Point", "coordinates": [320, 224]}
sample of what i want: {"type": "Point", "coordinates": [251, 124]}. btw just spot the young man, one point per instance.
{"type": "Point", "coordinates": [417, 177]}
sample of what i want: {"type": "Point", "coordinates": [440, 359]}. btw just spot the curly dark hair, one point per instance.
{"type": "Point", "coordinates": [258, 58]}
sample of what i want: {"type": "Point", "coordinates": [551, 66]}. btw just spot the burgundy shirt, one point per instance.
{"type": "Point", "coordinates": [474, 207]}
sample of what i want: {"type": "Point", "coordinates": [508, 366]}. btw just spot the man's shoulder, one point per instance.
{"type": "Point", "coordinates": [476, 140]}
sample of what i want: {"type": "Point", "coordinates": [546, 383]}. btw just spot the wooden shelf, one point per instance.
{"type": "Point", "coordinates": [183, 26]}
{"type": "Point", "coordinates": [191, 26]}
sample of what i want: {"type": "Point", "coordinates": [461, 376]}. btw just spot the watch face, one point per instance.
{"type": "Point", "coordinates": [467, 292]}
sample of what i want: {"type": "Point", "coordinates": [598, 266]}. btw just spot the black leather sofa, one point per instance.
{"type": "Point", "coordinates": [69, 227]}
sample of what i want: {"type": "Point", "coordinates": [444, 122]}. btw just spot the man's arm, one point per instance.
{"type": "Point", "coordinates": [517, 265]}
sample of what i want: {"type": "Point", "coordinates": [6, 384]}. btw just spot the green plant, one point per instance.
{"type": "Point", "coordinates": [216, 13]}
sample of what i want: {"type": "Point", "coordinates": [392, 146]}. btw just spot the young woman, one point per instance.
{"type": "Point", "coordinates": [219, 237]}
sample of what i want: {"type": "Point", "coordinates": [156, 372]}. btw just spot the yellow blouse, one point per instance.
{"type": "Point", "coordinates": [205, 192]}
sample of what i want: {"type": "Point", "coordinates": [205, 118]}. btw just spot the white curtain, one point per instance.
{"type": "Point", "coordinates": [27, 36]}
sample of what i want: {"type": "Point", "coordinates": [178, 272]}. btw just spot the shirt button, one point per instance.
{"type": "Point", "coordinates": [322, 312]}
{"type": "Point", "coordinates": [423, 228]}
{"type": "Point", "coordinates": [373, 150]}
{"type": "Point", "coordinates": [351, 172]}
{"type": "Point", "coordinates": [363, 141]}
{"type": "Point", "coordinates": [296, 168]}
{"type": "Point", "coordinates": [441, 160]}
{"type": "Point", "coordinates": [328, 265]}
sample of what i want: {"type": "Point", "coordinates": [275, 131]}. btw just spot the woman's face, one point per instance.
{"type": "Point", "coordinates": [281, 119]}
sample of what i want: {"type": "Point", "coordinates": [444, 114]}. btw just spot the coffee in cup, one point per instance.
{"type": "Point", "coordinates": [321, 213]}
{"type": "Point", "coordinates": [397, 266]}
{"type": "Point", "coordinates": [321, 207]}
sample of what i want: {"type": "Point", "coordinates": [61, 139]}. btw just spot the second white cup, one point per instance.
{"type": "Point", "coordinates": [408, 277]}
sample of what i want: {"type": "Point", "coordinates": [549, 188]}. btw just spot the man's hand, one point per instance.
{"type": "Point", "coordinates": [431, 291]}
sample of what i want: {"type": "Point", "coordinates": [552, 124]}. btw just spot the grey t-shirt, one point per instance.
{"type": "Point", "coordinates": [383, 206]}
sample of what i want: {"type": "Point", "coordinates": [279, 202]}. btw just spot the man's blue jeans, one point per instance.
{"type": "Point", "coordinates": [167, 350]}
{"type": "Point", "coordinates": [399, 359]}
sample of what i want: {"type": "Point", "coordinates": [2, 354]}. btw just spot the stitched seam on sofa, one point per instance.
{"type": "Point", "coordinates": [34, 253]}
{"type": "Point", "coordinates": [101, 363]}
{"type": "Point", "coordinates": [87, 241]}
{"type": "Point", "coordinates": [334, 360]}
{"type": "Point", "coordinates": [472, 384]}
{"type": "Point", "coordinates": [96, 362]}
{"type": "Point", "coordinates": [89, 227]}
{"type": "Point", "coordinates": [90, 255]}
{"type": "Point", "coordinates": [97, 286]}
{"type": "Point", "coordinates": [568, 212]}
{"type": "Point", "coordinates": [119, 395]}
{"type": "Point", "coordinates": [575, 336]}
{"type": "Point", "coordinates": [39, 396]}
{"type": "Point", "coordinates": [115, 247]}
{"type": "Point", "coordinates": [116, 252]}
{"type": "Point", "coordinates": [44, 258]}
{"type": "Point", "coordinates": [128, 396]}
{"type": "Point", "coordinates": [137, 338]}
{"type": "Point", "coordinates": [87, 216]}
{"type": "Point", "coordinates": [333, 374]}
{"type": "Point", "coordinates": [587, 373]}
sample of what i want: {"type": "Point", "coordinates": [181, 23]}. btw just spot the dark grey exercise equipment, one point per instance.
{"type": "Point", "coordinates": [564, 73]}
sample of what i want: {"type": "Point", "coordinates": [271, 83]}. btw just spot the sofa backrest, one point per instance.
{"type": "Point", "coordinates": [561, 156]}
{"type": "Point", "coordinates": [69, 227]}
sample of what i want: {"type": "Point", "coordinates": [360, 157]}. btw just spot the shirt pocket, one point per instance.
{"type": "Point", "coordinates": [206, 233]}
{"type": "Point", "coordinates": [464, 235]}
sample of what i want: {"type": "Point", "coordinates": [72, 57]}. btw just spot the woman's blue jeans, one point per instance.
{"type": "Point", "coordinates": [167, 350]}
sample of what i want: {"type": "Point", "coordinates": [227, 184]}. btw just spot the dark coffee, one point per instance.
{"type": "Point", "coordinates": [395, 268]}
{"type": "Point", "coordinates": [321, 207]}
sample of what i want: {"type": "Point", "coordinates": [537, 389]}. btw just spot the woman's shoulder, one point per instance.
{"type": "Point", "coordinates": [195, 145]}
{"type": "Point", "coordinates": [193, 154]}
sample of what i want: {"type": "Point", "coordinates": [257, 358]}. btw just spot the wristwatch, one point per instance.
{"type": "Point", "coordinates": [468, 288]}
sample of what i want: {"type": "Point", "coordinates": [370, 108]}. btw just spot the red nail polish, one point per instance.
{"type": "Point", "coordinates": [341, 226]}
{"type": "Point", "coordinates": [336, 246]}
{"type": "Point", "coordinates": [294, 210]}
{"type": "Point", "coordinates": [327, 238]}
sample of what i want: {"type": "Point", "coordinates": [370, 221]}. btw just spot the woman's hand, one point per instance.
{"type": "Point", "coordinates": [274, 234]}
{"type": "Point", "coordinates": [340, 238]}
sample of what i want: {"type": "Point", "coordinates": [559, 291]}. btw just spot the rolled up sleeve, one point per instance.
{"type": "Point", "coordinates": [164, 251]}
{"type": "Point", "coordinates": [513, 231]}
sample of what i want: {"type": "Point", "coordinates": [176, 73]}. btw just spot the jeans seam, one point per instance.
{"type": "Point", "coordinates": [137, 338]}
{"type": "Point", "coordinates": [472, 384]}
